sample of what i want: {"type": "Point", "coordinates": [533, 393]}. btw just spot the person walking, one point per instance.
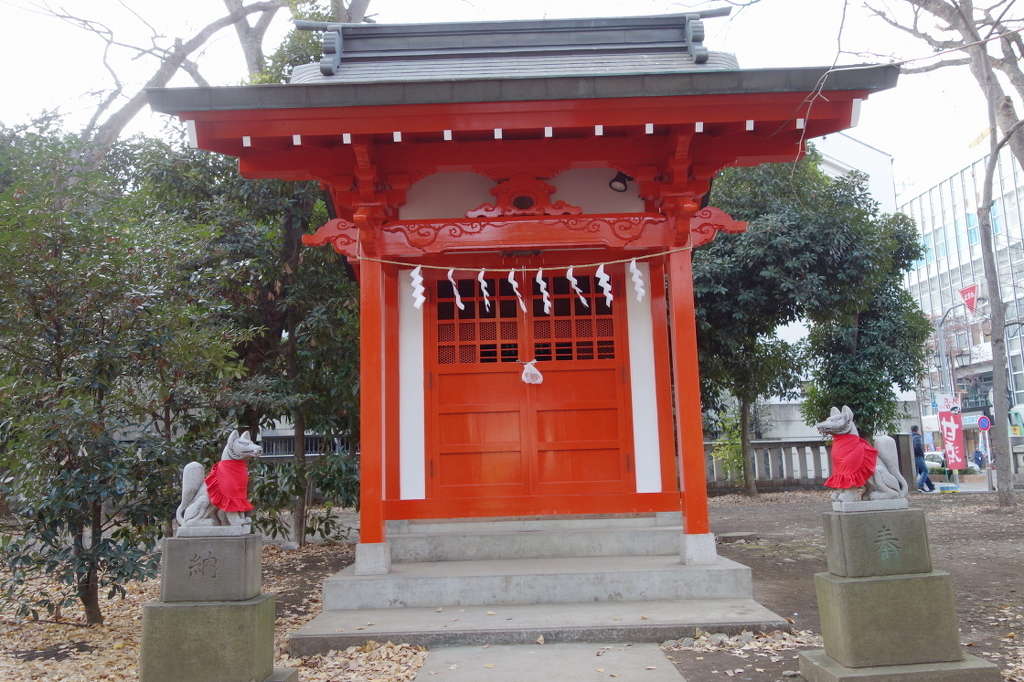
{"type": "Point", "coordinates": [924, 483]}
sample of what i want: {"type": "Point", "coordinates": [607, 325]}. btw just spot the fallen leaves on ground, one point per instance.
{"type": "Point", "coordinates": [64, 650]}
{"type": "Point", "coordinates": [747, 644]}
{"type": "Point", "coordinates": [371, 661]}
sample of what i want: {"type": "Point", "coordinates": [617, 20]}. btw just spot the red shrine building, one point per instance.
{"type": "Point", "coordinates": [517, 191]}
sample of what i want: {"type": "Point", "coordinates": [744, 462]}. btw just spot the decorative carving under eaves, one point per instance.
{"type": "Point", "coordinates": [421, 235]}
{"type": "Point", "coordinates": [709, 221]}
{"type": "Point", "coordinates": [342, 235]}
{"type": "Point", "coordinates": [626, 228]}
{"type": "Point", "coordinates": [523, 195]}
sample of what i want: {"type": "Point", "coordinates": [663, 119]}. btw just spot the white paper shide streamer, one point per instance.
{"type": "Point", "coordinates": [638, 281]}
{"type": "Point", "coordinates": [455, 287]}
{"type": "Point", "coordinates": [515, 289]}
{"type": "Point", "coordinates": [544, 291]}
{"type": "Point", "coordinates": [416, 281]}
{"type": "Point", "coordinates": [483, 290]}
{"type": "Point", "coordinates": [605, 283]}
{"type": "Point", "coordinates": [576, 287]}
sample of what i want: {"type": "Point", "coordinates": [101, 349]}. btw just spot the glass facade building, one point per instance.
{"type": "Point", "coordinates": [946, 216]}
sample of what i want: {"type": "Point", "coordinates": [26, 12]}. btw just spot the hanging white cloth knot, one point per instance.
{"type": "Point", "coordinates": [606, 284]}
{"type": "Point", "coordinates": [455, 288]}
{"type": "Point", "coordinates": [532, 375]}
{"type": "Point", "coordinates": [543, 285]}
{"type": "Point", "coordinates": [638, 281]}
{"type": "Point", "coordinates": [416, 281]}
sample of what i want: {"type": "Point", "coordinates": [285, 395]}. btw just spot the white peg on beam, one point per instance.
{"type": "Point", "coordinates": [698, 127]}
{"type": "Point", "coordinates": [599, 130]}
{"type": "Point", "coordinates": [750, 124]}
{"type": "Point", "coordinates": [190, 130]}
{"type": "Point", "coordinates": [447, 135]}
{"type": "Point", "coordinates": [397, 136]}
{"type": "Point", "coordinates": [549, 131]}
{"type": "Point", "coordinates": [497, 133]}
{"type": "Point", "coordinates": [855, 112]}
{"type": "Point", "coordinates": [799, 124]}
{"type": "Point", "coordinates": [648, 128]}
{"type": "Point", "coordinates": [346, 138]}
{"type": "Point", "coordinates": [246, 141]}
{"type": "Point", "coordinates": [297, 140]}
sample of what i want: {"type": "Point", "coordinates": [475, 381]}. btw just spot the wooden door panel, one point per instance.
{"type": "Point", "coordinates": [490, 434]}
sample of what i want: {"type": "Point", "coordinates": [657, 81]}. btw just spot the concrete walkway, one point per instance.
{"type": "Point", "coordinates": [550, 663]}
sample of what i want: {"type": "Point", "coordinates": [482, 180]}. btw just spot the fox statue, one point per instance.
{"type": "Point", "coordinates": [856, 463]}
{"type": "Point", "coordinates": [220, 499]}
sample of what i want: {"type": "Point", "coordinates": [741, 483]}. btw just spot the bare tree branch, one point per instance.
{"type": "Point", "coordinates": [962, 61]}
{"type": "Point", "coordinates": [192, 69]}
{"type": "Point", "coordinates": [171, 59]}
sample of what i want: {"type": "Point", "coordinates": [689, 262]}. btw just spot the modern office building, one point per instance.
{"type": "Point", "coordinates": [946, 215]}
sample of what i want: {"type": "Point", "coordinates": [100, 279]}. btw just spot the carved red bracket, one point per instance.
{"type": "Point", "coordinates": [709, 221]}
{"type": "Point", "coordinates": [342, 235]}
{"type": "Point", "coordinates": [523, 195]}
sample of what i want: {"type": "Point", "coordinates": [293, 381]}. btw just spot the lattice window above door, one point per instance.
{"type": "Point", "coordinates": [573, 331]}
{"type": "Point", "coordinates": [476, 334]}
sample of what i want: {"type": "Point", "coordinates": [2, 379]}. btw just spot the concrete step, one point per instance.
{"type": "Point", "coordinates": [525, 544]}
{"type": "Point", "coordinates": [616, 621]}
{"type": "Point", "coordinates": [575, 522]}
{"type": "Point", "coordinates": [536, 581]}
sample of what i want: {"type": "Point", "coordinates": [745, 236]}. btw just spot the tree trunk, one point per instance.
{"type": "Point", "coordinates": [749, 472]}
{"type": "Point", "coordinates": [88, 584]}
{"type": "Point", "coordinates": [998, 437]}
{"type": "Point", "coordinates": [301, 480]}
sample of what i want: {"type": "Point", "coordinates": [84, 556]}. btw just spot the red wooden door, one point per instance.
{"type": "Point", "coordinates": [489, 434]}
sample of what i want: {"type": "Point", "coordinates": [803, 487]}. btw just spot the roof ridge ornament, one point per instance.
{"type": "Point", "coordinates": [333, 42]}
{"type": "Point", "coordinates": [694, 36]}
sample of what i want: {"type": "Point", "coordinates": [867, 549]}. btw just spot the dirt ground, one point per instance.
{"type": "Point", "coordinates": [981, 546]}
{"type": "Point", "coordinates": [778, 535]}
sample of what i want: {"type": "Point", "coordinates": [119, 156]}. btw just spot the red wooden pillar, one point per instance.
{"type": "Point", "coordinates": [371, 402]}
{"type": "Point", "coordinates": [686, 383]}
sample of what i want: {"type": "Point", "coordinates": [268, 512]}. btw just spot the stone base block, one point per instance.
{"type": "Point", "coordinates": [698, 549]}
{"type": "Point", "coordinates": [208, 641]}
{"type": "Point", "coordinates": [870, 505]}
{"type": "Point", "coordinates": [816, 666]}
{"type": "Point", "coordinates": [373, 558]}
{"type": "Point", "coordinates": [876, 543]}
{"type": "Point", "coordinates": [283, 675]}
{"type": "Point", "coordinates": [213, 531]}
{"type": "Point", "coordinates": [210, 568]}
{"type": "Point", "coordinates": [889, 620]}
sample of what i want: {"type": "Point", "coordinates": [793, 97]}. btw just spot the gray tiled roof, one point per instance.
{"type": "Point", "coordinates": [372, 53]}
{"type": "Point", "coordinates": [509, 61]}
{"type": "Point", "coordinates": [525, 66]}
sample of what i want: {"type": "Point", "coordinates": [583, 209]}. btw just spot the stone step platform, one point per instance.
{"type": "Point", "coordinates": [488, 543]}
{"type": "Point", "coordinates": [616, 621]}
{"type": "Point", "coordinates": [537, 581]}
{"type": "Point", "coordinates": [523, 523]}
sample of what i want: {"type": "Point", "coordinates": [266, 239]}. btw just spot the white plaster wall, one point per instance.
{"type": "Point", "coordinates": [588, 188]}
{"type": "Point", "coordinates": [646, 444]}
{"type": "Point", "coordinates": [446, 195]}
{"type": "Point", "coordinates": [450, 195]}
{"type": "Point", "coordinates": [412, 482]}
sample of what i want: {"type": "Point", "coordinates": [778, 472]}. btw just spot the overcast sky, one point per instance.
{"type": "Point", "coordinates": [931, 123]}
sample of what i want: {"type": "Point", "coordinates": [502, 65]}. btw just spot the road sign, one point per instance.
{"type": "Point", "coordinates": [984, 423]}
{"type": "Point", "coordinates": [935, 404]}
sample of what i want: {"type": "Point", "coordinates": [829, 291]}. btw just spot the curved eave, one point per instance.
{"type": "Point", "coordinates": [868, 78]}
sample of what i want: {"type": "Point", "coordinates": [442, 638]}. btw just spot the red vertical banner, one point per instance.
{"type": "Point", "coordinates": [951, 426]}
{"type": "Point", "coordinates": [969, 294]}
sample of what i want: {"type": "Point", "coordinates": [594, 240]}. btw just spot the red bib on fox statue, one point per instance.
{"type": "Point", "coordinates": [228, 485]}
{"type": "Point", "coordinates": [853, 461]}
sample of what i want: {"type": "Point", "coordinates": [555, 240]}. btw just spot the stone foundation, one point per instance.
{"type": "Point", "coordinates": [886, 615]}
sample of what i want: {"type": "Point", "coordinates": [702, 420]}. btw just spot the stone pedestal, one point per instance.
{"type": "Point", "coordinates": [885, 613]}
{"type": "Point", "coordinates": [211, 624]}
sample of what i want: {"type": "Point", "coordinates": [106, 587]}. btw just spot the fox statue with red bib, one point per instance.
{"type": "Point", "coordinates": [222, 497]}
{"type": "Point", "coordinates": [856, 463]}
